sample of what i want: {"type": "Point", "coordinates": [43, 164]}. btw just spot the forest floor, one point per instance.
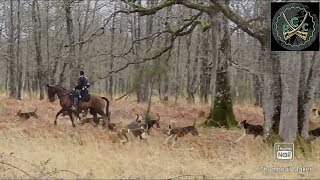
{"type": "Point", "coordinates": [35, 148]}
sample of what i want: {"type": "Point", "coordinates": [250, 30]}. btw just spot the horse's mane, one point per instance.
{"type": "Point", "coordinates": [60, 87]}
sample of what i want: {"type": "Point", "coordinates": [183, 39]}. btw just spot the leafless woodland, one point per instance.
{"type": "Point", "coordinates": [202, 51]}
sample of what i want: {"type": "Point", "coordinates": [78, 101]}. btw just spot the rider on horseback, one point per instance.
{"type": "Point", "coordinates": [82, 84]}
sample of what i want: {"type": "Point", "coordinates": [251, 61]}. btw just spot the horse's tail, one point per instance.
{"type": "Point", "coordinates": [108, 111]}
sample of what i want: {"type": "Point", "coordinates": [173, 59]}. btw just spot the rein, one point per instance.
{"type": "Point", "coordinates": [66, 93]}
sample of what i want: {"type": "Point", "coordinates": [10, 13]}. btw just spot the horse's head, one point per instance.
{"type": "Point", "coordinates": [52, 91]}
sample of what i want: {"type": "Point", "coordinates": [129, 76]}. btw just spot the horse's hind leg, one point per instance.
{"type": "Point", "coordinates": [95, 117]}
{"type": "Point", "coordinates": [55, 120]}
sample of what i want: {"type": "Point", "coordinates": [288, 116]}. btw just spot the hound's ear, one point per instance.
{"type": "Point", "coordinates": [169, 127]}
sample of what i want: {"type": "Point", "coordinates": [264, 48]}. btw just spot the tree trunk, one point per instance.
{"type": "Point", "coordinates": [110, 87]}
{"type": "Point", "coordinates": [306, 92]}
{"type": "Point", "coordinates": [256, 80]}
{"type": "Point", "coordinates": [47, 42]}
{"type": "Point", "coordinates": [214, 51]}
{"type": "Point", "coordinates": [193, 86]}
{"type": "Point", "coordinates": [71, 57]}
{"type": "Point", "coordinates": [166, 79]}
{"type": "Point", "coordinates": [221, 113]}
{"type": "Point", "coordinates": [188, 68]}
{"type": "Point", "coordinates": [176, 89]}
{"type": "Point", "coordinates": [19, 63]}
{"type": "Point", "coordinates": [11, 67]}
{"type": "Point", "coordinates": [37, 42]}
{"type": "Point", "coordinates": [272, 93]}
{"type": "Point", "coordinates": [205, 75]}
{"type": "Point", "coordinates": [139, 70]}
{"type": "Point", "coordinates": [289, 103]}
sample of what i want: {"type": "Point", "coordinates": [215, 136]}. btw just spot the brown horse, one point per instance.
{"type": "Point", "coordinates": [96, 104]}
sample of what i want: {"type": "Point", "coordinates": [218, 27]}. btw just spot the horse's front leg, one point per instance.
{"type": "Point", "coordinates": [71, 117]}
{"type": "Point", "coordinates": [61, 111]}
{"type": "Point", "coordinates": [76, 113]}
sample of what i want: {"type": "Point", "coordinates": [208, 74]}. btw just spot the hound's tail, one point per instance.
{"type": "Point", "coordinates": [35, 110]}
{"type": "Point", "coordinates": [158, 116]}
{"type": "Point", "coordinates": [137, 118]}
{"type": "Point", "coordinates": [194, 123]}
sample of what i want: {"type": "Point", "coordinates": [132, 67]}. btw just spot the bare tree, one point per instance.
{"type": "Point", "coordinates": [37, 42]}
{"type": "Point", "coordinates": [70, 33]}
{"type": "Point", "coordinates": [18, 52]}
{"type": "Point", "coordinates": [11, 66]}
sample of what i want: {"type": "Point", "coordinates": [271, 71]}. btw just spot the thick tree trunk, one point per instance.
{"type": "Point", "coordinates": [306, 92]}
{"type": "Point", "coordinates": [138, 83]}
{"type": "Point", "coordinates": [19, 63]}
{"type": "Point", "coordinates": [71, 57]}
{"type": "Point", "coordinates": [221, 113]}
{"type": "Point", "coordinates": [176, 89]}
{"type": "Point", "coordinates": [11, 67]}
{"type": "Point", "coordinates": [289, 104]}
{"type": "Point", "coordinates": [188, 68]}
{"type": "Point", "coordinates": [205, 75]}
{"type": "Point", "coordinates": [166, 79]}
{"type": "Point", "coordinates": [37, 41]}
{"type": "Point", "coordinates": [214, 54]}
{"type": "Point", "coordinates": [194, 81]}
{"type": "Point", "coordinates": [272, 90]}
{"type": "Point", "coordinates": [110, 84]}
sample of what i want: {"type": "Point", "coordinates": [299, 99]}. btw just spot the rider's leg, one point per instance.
{"type": "Point", "coordinates": [75, 102]}
{"type": "Point", "coordinates": [78, 102]}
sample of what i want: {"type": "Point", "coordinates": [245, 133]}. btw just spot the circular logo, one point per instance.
{"type": "Point", "coordinates": [294, 27]}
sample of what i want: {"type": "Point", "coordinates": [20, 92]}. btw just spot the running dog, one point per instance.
{"type": "Point", "coordinates": [174, 133]}
{"type": "Point", "coordinates": [27, 115]}
{"type": "Point", "coordinates": [153, 123]}
{"type": "Point", "coordinates": [137, 128]}
{"type": "Point", "coordinates": [256, 130]}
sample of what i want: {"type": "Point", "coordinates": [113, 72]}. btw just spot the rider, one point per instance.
{"type": "Point", "coordinates": [82, 84]}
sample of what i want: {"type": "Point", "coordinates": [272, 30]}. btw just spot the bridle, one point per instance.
{"type": "Point", "coordinates": [64, 94]}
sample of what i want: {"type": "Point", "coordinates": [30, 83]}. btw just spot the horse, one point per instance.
{"type": "Point", "coordinates": [96, 104]}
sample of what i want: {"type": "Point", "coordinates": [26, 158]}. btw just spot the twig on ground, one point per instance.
{"type": "Point", "coordinates": [124, 95]}
{"type": "Point", "coordinates": [190, 175]}
{"type": "Point", "coordinates": [15, 167]}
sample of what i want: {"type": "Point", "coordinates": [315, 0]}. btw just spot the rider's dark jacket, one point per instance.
{"type": "Point", "coordinates": [82, 83]}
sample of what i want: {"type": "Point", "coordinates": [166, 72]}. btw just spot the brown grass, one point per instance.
{"type": "Point", "coordinates": [47, 151]}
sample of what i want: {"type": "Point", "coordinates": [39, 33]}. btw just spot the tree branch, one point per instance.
{"type": "Point", "coordinates": [247, 22]}
{"type": "Point", "coordinates": [174, 35]}
{"type": "Point", "coordinates": [240, 21]}
{"type": "Point", "coordinates": [101, 30]}
{"type": "Point", "coordinates": [193, 5]}
{"type": "Point", "coordinates": [142, 11]}
{"type": "Point", "coordinates": [142, 61]}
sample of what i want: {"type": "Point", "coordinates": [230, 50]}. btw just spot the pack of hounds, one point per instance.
{"type": "Point", "coordinates": [138, 128]}
{"type": "Point", "coordinates": [141, 128]}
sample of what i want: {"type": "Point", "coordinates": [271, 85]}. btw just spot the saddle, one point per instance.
{"type": "Point", "coordinates": [83, 95]}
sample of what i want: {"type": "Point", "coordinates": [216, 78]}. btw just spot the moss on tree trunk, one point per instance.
{"type": "Point", "coordinates": [221, 113]}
